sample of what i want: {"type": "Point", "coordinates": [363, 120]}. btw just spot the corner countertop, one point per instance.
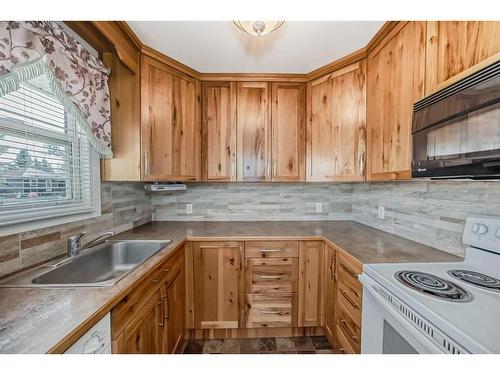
{"type": "Point", "coordinates": [36, 320]}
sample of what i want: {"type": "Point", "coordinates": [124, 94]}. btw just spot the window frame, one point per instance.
{"type": "Point", "coordinates": [55, 215]}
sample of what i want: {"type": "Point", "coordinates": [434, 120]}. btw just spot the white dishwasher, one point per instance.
{"type": "Point", "coordinates": [96, 340]}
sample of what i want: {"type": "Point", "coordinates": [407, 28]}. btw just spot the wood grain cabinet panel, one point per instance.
{"type": "Point", "coordinates": [457, 48]}
{"type": "Point", "coordinates": [124, 91]}
{"type": "Point", "coordinates": [395, 82]}
{"type": "Point", "coordinates": [173, 303]}
{"type": "Point", "coordinates": [253, 132]}
{"type": "Point", "coordinates": [288, 131]}
{"type": "Point", "coordinates": [170, 123]}
{"type": "Point", "coordinates": [336, 126]}
{"type": "Point", "coordinates": [330, 293]}
{"type": "Point", "coordinates": [144, 334]}
{"type": "Point", "coordinates": [219, 131]}
{"type": "Point", "coordinates": [271, 310]}
{"type": "Point", "coordinates": [311, 297]}
{"type": "Point", "coordinates": [273, 275]}
{"type": "Point", "coordinates": [218, 284]}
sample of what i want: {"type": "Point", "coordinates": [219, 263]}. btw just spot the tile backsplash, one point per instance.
{"type": "Point", "coordinates": [123, 206]}
{"type": "Point", "coordinates": [255, 202]}
{"type": "Point", "coordinates": [430, 212]}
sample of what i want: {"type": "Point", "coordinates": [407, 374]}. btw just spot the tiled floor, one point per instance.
{"type": "Point", "coordinates": [269, 345]}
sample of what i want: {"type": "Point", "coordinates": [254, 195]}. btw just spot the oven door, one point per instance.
{"type": "Point", "coordinates": [385, 331]}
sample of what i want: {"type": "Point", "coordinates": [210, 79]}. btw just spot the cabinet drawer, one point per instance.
{"type": "Point", "coordinates": [349, 326]}
{"type": "Point", "coordinates": [271, 310]}
{"type": "Point", "coordinates": [343, 346]}
{"type": "Point", "coordinates": [271, 249]}
{"type": "Point", "coordinates": [126, 310]}
{"type": "Point", "coordinates": [274, 275]}
{"type": "Point", "coordinates": [349, 268]}
{"type": "Point", "coordinates": [350, 296]}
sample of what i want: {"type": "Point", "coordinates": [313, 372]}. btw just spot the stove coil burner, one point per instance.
{"type": "Point", "coordinates": [477, 279]}
{"type": "Point", "coordinates": [434, 286]}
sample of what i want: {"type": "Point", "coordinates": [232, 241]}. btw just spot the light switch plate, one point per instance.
{"type": "Point", "coordinates": [189, 208]}
{"type": "Point", "coordinates": [319, 207]}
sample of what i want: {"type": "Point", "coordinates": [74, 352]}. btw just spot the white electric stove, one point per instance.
{"type": "Point", "coordinates": [437, 307]}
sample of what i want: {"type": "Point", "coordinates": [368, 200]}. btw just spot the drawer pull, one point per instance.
{"type": "Point", "coordinates": [166, 270]}
{"type": "Point", "coordinates": [353, 337]}
{"type": "Point", "coordinates": [270, 277]}
{"type": "Point", "coordinates": [342, 350]}
{"type": "Point", "coordinates": [156, 281]}
{"type": "Point", "coordinates": [346, 296]}
{"type": "Point", "coordinates": [348, 270]}
{"type": "Point", "coordinates": [270, 312]}
{"type": "Point", "coordinates": [272, 250]}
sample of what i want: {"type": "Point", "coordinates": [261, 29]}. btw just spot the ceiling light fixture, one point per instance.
{"type": "Point", "coordinates": [258, 28]}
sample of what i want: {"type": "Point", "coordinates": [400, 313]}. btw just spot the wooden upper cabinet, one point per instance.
{"type": "Point", "coordinates": [219, 131]}
{"type": "Point", "coordinates": [218, 284]}
{"type": "Point", "coordinates": [170, 123]}
{"type": "Point", "coordinates": [253, 131]}
{"type": "Point", "coordinates": [457, 48]}
{"type": "Point", "coordinates": [336, 126]}
{"type": "Point", "coordinates": [395, 81]}
{"type": "Point", "coordinates": [288, 131]}
{"type": "Point", "coordinates": [124, 91]}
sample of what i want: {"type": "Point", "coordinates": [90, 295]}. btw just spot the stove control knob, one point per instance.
{"type": "Point", "coordinates": [479, 229]}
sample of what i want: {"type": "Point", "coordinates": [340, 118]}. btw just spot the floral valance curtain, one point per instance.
{"type": "Point", "coordinates": [79, 79]}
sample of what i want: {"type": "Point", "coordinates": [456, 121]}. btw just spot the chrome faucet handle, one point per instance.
{"type": "Point", "coordinates": [98, 240]}
{"type": "Point", "coordinates": [74, 243]}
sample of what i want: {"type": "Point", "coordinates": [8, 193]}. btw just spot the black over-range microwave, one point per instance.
{"type": "Point", "coordinates": [456, 131]}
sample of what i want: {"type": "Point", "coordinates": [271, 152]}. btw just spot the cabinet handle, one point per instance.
{"type": "Point", "coordinates": [146, 162]}
{"type": "Point", "coordinates": [156, 281]}
{"type": "Point", "coordinates": [273, 312]}
{"type": "Point", "coordinates": [342, 350]}
{"type": "Point", "coordinates": [167, 309]}
{"type": "Point", "coordinates": [344, 324]}
{"type": "Point", "coordinates": [348, 270]}
{"type": "Point", "coordinates": [274, 168]}
{"type": "Point", "coordinates": [272, 250]}
{"type": "Point", "coordinates": [166, 270]}
{"type": "Point", "coordinates": [346, 296]}
{"type": "Point", "coordinates": [270, 277]}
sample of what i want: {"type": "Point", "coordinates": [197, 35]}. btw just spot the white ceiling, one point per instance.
{"type": "Point", "coordinates": [220, 47]}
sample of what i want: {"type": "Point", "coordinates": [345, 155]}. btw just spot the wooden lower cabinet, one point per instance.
{"type": "Point", "coordinates": [310, 309]}
{"type": "Point", "coordinates": [330, 294]}
{"type": "Point", "coordinates": [156, 325]}
{"type": "Point", "coordinates": [218, 284]}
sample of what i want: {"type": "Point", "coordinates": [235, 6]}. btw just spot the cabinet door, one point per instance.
{"type": "Point", "coordinates": [336, 140]}
{"type": "Point", "coordinates": [144, 333]}
{"type": "Point", "coordinates": [253, 134]}
{"type": "Point", "coordinates": [219, 131]}
{"type": "Point", "coordinates": [310, 310]}
{"type": "Point", "coordinates": [170, 122]}
{"type": "Point", "coordinates": [174, 297]}
{"type": "Point", "coordinates": [395, 82]}
{"type": "Point", "coordinates": [330, 293]}
{"type": "Point", "coordinates": [288, 133]}
{"type": "Point", "coordinates": [218, 284]}
{"type": "Point", "coordinates": [457, 48]}
{"type": "Point", "coordinates": [124, 91]}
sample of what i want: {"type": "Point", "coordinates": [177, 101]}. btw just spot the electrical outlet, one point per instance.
{"type": "Point", "coordinates": [319, 207]}
{"type": "Point", "coordinates": [381, 212]}
{"type": "Point", "coordinates": [189, 208]}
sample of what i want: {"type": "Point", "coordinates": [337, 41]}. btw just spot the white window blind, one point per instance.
{"type": "Point", "coordinates": [46, 162]}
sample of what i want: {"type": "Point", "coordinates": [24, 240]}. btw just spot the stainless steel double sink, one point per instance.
{"type": "Point", "coordinates": [102, 265]}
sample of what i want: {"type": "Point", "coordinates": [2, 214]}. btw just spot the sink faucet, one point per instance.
{"type": "Point", "coordinates": [74, 245]}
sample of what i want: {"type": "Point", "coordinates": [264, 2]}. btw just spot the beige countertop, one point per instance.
{"type": "Point", "coordinates": [34, 320]}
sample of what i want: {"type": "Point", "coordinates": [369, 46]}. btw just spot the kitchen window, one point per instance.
{"type": "Point", "coordinates": [48, 169]}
